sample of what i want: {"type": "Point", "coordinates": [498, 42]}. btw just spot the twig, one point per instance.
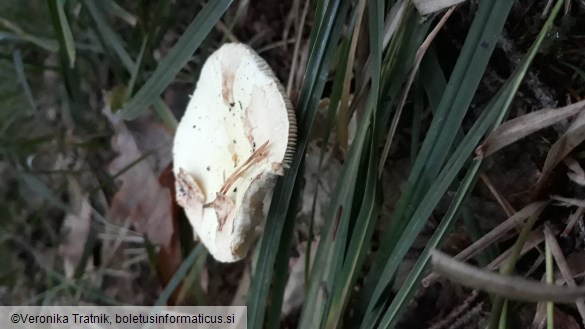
{"type": "Point", "coordinates": [493, 236]}
{"type": "Point", "coordinates": [511, 287]}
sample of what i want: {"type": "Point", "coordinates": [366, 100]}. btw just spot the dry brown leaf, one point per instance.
{"type": "Point", "coordinates": [576, 261]}
{"type": "Point", "coordinates": [568, 202]}
{"type": "Point", "coordinates": [562, 320]}
{"type": "Point", "coordinates": [140, 196]}
{"type": "Point", "coordinates": [318, 181]}
{"type": "Point", "coordinates": [520, 127]}
{"type": "Point", "coordinates": [576, 172]}
{"type": "Point", "coordinates": [572, 221]}
{"type": "Point", "coordinates": [76, 226]}
{"type": "Point", "coordinates": [170, 255]}
{"type": "Point", "coordinates": [574, 136]}
{"type": "Point", "coordinates": [393, 180]}
{"type": "Point", "coordinates": [535, 237]}
{"type": "Point", "coordinates": [540, 316]}
{"type": "Point", "coordinates": [294, 292]}
{"type": "Point", "coordinates": [241, 295]}
{"type": "Point", "coordinates": [494, 235]}
{"type": "Point", "coordinates": [563, 265]}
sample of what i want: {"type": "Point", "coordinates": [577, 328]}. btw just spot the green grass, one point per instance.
{"type": "Point", "coordinates": [56, 74]}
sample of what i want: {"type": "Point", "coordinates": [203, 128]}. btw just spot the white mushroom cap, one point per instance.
{"type": "Point", "coordinates": [239, 130]}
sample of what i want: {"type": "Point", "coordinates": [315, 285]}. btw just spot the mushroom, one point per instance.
{"type": "Point", "coordinates": [237, 134]}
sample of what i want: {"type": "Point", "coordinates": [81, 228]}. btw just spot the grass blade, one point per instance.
{"type": "Point", "coordinates": [179, 275]}
{"type": "Point", "coordinates": [325, 278]}
{"type": "Point", "coordinates": [358, 246]}
{"type": "Point", "coordinates": [409, 286]}
{"type": "Point", "coordinates": [49, 45]}
{"type": "Point", "coordinates": [497, 303]}
{"type": "Point", "coordinates": [349, 256]}
{"type": "Point", "coordinates": [404, 226]}
{"type": "Point", "coordinates": [65, 31]}
{"type": "Point", "coordinates": [176, 59]}
{"type": "Point", "coordinates": [112, 40]}
{"type": "Point", "coordinates": [520, 127]}
{"type": "Point", "coordinates": [18, 66]}
{"type": "Point", "coordinates": [281, 267]}
{"type": "Point", "coordinates": [428, 203]}
{"type": "Point", "coordinates": [550, 306]}
{"type": "Point", "coordinates": [323, 47]}
{"type": "Point", "coordinates": [109, 37]}
{"type": "Point", "coordinates": [70, 74]}
{"type": "Point", "coordinates": [136, 70]}
{"type": "Point", "coordinates": [498, 107]}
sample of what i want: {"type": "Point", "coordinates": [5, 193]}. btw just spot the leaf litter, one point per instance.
{"type": "Point", "coordinates": [76, 228]}
{"type": "Point", "coordinates": [132, 202]}
{"type": "Point", "coordinates": [140, 196]}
